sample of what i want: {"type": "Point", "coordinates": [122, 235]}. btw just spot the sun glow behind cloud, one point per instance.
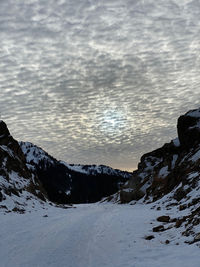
{"type": "Point", "coordinates": [98, 81]}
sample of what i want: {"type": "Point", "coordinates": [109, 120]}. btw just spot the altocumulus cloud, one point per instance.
{"type": "Point", "coordinates": [98, 81]}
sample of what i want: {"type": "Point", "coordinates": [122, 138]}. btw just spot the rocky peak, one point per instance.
{"type": "Point", "coordinates": [4, 133]}
{"type": "Point", "coordinates": [8, 141]}
{"type": "Point", "coordinates": [188, 128]}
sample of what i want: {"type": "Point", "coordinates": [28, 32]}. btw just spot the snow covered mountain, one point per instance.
{"type": "Point", "coordinates": [170, 177]}
{"type": "Point", "coordinates": [72, 183]}
{"type": "Point", "coordinates": [35, 155]}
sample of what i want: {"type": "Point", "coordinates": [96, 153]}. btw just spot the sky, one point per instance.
{"type": "Point", "coordinates": [98, 81]}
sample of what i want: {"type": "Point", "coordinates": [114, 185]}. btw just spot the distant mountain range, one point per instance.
{"type": "Point", "coordinates": [72, 183]}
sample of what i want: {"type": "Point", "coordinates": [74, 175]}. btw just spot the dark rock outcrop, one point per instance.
{"type": "Point", "coordinates": [159, 228]}
{"type": "Point", "coordinates": [162, 170]}
{"type": "Point", "coordinates": [163, 218]}
{"type": "Point", "coordinates": [16, 179]}
{"type": "Point", "coordinates": [189, 129]}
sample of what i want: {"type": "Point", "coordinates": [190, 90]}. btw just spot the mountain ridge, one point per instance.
{"type": "Point", "coordinates": [72, 183]}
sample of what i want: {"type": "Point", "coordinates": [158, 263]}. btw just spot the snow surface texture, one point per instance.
{"type": "Point", "coordinates": [92, 235]}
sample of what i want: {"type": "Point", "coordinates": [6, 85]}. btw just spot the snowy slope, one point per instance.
{"type": "Point", "coordinates": [20, 190]}
{"type": "Point", "coordinates": [34, 154]}
{"type": "Point", "coordinates": [92, 235]}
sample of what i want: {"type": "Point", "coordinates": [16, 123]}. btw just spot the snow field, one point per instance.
{"type": "Point", "coordinates": [91, 235]}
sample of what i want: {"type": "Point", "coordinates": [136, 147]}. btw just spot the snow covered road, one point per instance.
{"type": "Point", "coordinates": [90, 235]}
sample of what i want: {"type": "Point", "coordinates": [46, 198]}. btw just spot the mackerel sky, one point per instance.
{"type": "Point", "coordinates": [98, 81]}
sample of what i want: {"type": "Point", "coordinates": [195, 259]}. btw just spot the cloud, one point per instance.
{"type": "Point", "coordinates": [66, 64]}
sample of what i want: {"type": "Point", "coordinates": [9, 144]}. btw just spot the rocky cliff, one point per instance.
{"type": "Point", "coordinates": [18, 187]}
{"type": "Point", "coordinates": [176, 164]}
{"type": "Point", "coordinates": [170, 177]}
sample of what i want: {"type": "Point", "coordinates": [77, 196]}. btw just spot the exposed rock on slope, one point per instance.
{"type": "Point", "coordinates": [189, 129]}
{"type": "Point", "coordinates": [162, 170]}
{"type": "Point", "coordinates": [70, 183]}
{"type": "Point", "coordinates": [17, 184]}
{"type": "Point", "coordinates": [170, 176]}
